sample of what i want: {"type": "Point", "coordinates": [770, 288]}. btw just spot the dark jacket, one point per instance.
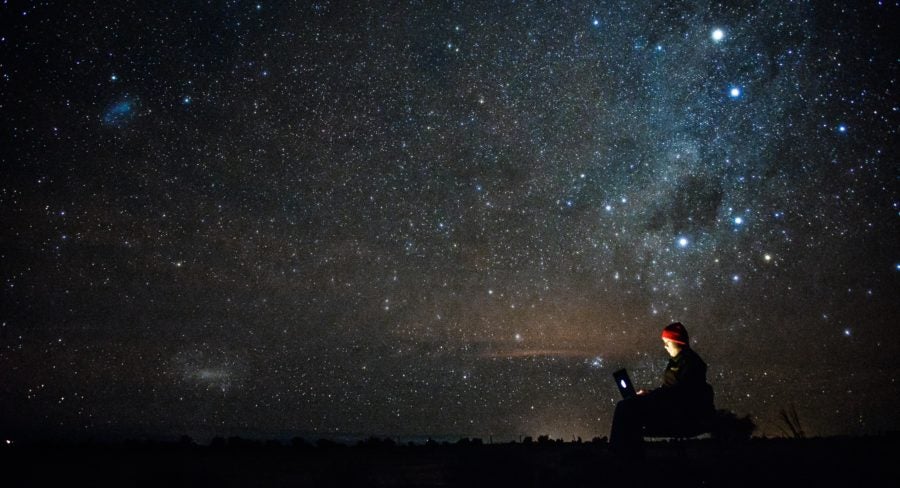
{"type": "Point", "coordinates": [686, 370]}
{"type": "Point", "coordinates": [684, 393]}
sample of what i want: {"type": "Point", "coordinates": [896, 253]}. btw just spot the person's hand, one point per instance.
{"type": "Point", "coordinates": [641, 392]}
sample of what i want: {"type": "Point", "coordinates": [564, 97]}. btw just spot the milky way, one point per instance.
{"type": "Point", "coordinates": [443, 218]}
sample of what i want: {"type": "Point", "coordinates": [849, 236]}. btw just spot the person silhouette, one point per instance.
{"type": "Point", "coordinates": [681, 407]}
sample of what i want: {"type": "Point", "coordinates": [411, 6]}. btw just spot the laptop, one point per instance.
{"type": "Point", "coordinates": [626, 388]}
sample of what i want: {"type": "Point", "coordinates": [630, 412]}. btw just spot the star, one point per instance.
{"type": "Point", "coordinates": [734, 92]}
{"type": "Point", "coordinates": [717, 35]}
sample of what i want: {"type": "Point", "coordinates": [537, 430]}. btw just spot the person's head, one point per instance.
{"type": "Point", "coordinates": [675, 338]}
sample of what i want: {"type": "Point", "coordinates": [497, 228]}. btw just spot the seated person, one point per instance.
{"type": "Point", "coordinates": [681, 407]}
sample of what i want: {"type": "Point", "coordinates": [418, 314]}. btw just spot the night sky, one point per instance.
{"type": "Point", "coordinates": [443, 218]}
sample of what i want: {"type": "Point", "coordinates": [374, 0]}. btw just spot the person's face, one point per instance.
{"type": "Point", "coordinates": [672, 348]}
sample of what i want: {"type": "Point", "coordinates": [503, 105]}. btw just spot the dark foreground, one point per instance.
{"type": "Point", "coordinates": [815, 462]}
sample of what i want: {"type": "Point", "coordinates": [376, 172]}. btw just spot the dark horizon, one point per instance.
{"type": "Point", "coordinates": [467, 464]}
{"type": "Point", "coordinates": [315, 440]}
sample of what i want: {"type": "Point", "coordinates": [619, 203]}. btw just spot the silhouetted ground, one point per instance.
{"type": "Point", "coordinates": [873, 461]}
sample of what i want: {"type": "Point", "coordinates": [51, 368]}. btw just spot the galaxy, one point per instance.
{"type": "Point", "coordinates": [447, 219]}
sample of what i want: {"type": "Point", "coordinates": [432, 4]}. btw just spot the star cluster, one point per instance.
{"type": "Point", "coordinates": [447, 219]}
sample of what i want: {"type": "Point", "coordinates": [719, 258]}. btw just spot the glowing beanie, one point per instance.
{"type": "Point", "coordinates": [676, 332]}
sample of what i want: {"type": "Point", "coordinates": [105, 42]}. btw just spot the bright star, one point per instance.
{"type": "Point", "coordinates": [596, 22]}
{"type": "Point", "coordinates": [734, 92]}
{"type": "Point", "coordinates": [738, 220]}
{"type": "Point", "coordinates": [847, 332]}
{"type": "Point", "coordinates": [718, 35]}
{"type": "Point", "coordinates": [683, 242]}
{"type": "Point", "coordinates": [842, 128]}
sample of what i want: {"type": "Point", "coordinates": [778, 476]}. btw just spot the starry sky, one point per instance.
{"type": "Point", "coordinates": [443, 218]}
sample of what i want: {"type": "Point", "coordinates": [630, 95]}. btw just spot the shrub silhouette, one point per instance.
{"type": "Point", "coordinates": [241, 443]}
{"type": "Point", "coordinates": [465, 441]}
{"type": "Point", "coordinates": [327, 444]}
{"type": "Point", "coordinates": [375, 442]}
{"type": "Point", "coordinates": [300, 443]}
{"type": "Point", "coordinates": [728, 426]}
{"type": "Point", "coordinates": [791, 420]}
